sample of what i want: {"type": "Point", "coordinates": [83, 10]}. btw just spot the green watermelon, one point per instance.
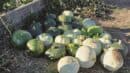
{"type": "Point", "coordinates": [46, 39]}
{"type": "Point", "coordinates": [36, 47]}
{"type": "Point", "coordinates": [20, 37]}
{"type": "Point", "coordinates": [49, 22]}
{"type": "Point", "coordinates": [54, 31]}
{"type": "Point", "coordinates": [87, 22]}
{"type": "Point", "coordinates": [63, 18]}
{"type": "Point", "coordinates": [56, 51]}
{"type": "Point", "coordinates": [65, 27]}
{"type": "Point", "coordinates": [72, 49]}
{"type": "Point", "coordinates": [35, 29]}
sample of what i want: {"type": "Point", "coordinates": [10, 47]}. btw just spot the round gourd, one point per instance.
{"type": "Point", "coordinates": [76, 32]}
{"type": "Point", "coordinates": [79, 19]}
{"type": "Point", "coordinates": [65, 27]}
{"type": "Point", "coordinates": [35, 46]}
{"type": "Point", "coordinates": [63, 18]}
{"type": "Point", "coordinates": [46, 38]}
{"type": "Point", "coordinates": [72, 34]}
{"type": "Point", "coordinates": [49, 22]}
{"type": "Point", "coordinates": [68, 13]}
{"type": "Point", "coordinates": [95, 31]}
{"type": "Point", "coordinates": [119, 46]}
{"type": "Point", "coordinates": [69, 34]}
{"type": "Point", "coordinates": [68, 64]}
{"type": "Point", "coordinates": [106, 40]}
{"type": "Point", "coordinates": [76, 25]}
{"type": "Point", "coordinates": [8, 5]}
{"type": "Point", "coordinates": [62, 39]}
{"type": "Point", "coordinates": [51, 16]}
{"type": "Point", "coordinates": [54, 31]}
{"type": "Point", "coordinates": [20, 37]}
{"type": "Point", "coordinates": [72, 49]}
{"type": "Point", "coordinates": [56, 51]}
{"type": "Point", "coordinates": [79, 39]}
{"type": "Point", "coordinates": [112, 60]}
{"type": "Point", "coordinates": [105, 43]}
{"type": "Point", "coordinates": [94, 44]}
{"type": "Point", "coordinates": [87, 22]}
{"type": "Point", "coordinates": [84, 31]}
{"type": "Point", "coordinates": [35, 29]}
{"type": "Point", "coordinates": [86, 56]}
{"type": "Point", "coordinates": [106, 36]}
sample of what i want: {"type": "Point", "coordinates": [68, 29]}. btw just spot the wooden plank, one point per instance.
{"type": "Point", "coordinates": [16, 16]}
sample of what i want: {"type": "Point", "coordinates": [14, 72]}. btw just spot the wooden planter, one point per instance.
{"type": "Point", "coordinates": [16, 16]}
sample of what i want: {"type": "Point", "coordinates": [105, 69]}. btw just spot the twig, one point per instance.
{"type": "Point", "coordinates": [6, 26]}
{"type": "Point", "coordinates": [5, 69]}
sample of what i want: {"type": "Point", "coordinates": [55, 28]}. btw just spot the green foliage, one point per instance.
{"type": "Point", "coordinates": [11, 4]}
{"type": "Point", "coordinates": [95, 31]}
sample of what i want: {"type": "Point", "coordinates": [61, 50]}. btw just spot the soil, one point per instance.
{"type": "Point", "coordinates": [18, 61]}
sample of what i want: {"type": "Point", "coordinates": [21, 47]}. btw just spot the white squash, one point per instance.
{"type": "Point", "coordinates": [106, 36]}
{"type": "Point", "coordinates": [87, 22]}
{"type": "Point", "coordinates": [94, 44]}
{"type": "Point", "coordinates": [112, 60]}
{"type": "Point", "coordinates": [35, 47]}
{"type": "Point", "coordinates": [105, 43]}
{"type": "Point", "coordinates": [69, 34]}
{"type": "Point", "coordinates": [62, 39]}
{"type": "Point", "coordinates": [79, 39]}
{"type": "Point", "coordinates": [86, 56]}
{"type": "Point", "coordinates": [76, 32]}
{"type": "Point", "coordinates": [120, 47]}
{"type": "Point", "coordinates": [72, 34]}
{"type": "Point", "coordinates": [66, 16]}
{"type": "Point", "coordinates": [64, 19]}
{"type": "Point", "coordinates": [68, 13]}
{"type": "Point", "coordinates": [68, 64]}
{"type": "Point", "coordinates": [46, 39]}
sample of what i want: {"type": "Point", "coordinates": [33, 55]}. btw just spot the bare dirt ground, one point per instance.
{"type": "Point", "coordinates": [17, 61]}
{"type": "Point", "coordinates": [121, 17]}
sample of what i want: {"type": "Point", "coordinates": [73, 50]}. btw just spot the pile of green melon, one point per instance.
{"type": "Point", "coordinates": [74, 41]}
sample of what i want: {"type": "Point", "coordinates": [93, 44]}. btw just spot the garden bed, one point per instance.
{"type": "Point", "coordinates": [18, 61]}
